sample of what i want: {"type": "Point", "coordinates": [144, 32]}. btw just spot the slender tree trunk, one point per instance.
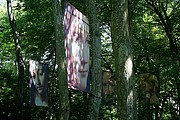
{"type": "Point", "coordinates": [132, 79]}
{"type": "Point", "coordinates": [123, 59]}
{"type": "Point", "coordinates": [96, 74]}
{"type": "Point", "coordinates": [19, 59]}
{"type": "Point", "coordinates": [64, 107]}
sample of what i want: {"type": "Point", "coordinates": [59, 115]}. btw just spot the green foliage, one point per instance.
{"type": "Point", "coordinates": [36, 27]}
{"type": "Point", "coordinates": [108, 112]}
{"type": "Point", "coordinates": [153, 54]}
{"type": "Point", "coordinates": [8, 100]}
{"type": "Point", "coordinates": [78, 105]}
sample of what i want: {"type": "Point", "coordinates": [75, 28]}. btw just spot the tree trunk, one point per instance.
{"type": "Point", "coordinates": [96, 74]}
{"type": "Point", "coordinates": [64, 108]}
{"type": "Point", "coordinates": [123, 59]}
{"type": "Point", "coordinates": [19, 59]}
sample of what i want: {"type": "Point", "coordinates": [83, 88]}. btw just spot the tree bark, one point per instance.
{"type": "Point", "coordinates": [64, 107]}
{"type": "Point", "coordinates": [96, 74]}
{"type": "Point", "coordinates": [19, 59]}
{"type": "Point", "coordinates": [123, 60]}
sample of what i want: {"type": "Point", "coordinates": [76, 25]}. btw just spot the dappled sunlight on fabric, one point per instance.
{"type": "Point", "coordinates": [76, 48]}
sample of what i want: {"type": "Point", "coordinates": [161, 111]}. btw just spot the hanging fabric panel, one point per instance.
{"type": "Point", "coordinates": [76, 29]}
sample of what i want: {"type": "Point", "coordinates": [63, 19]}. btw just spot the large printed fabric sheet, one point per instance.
{"type": "Point", "coordinates": [77, 48]}
{"type": "Point", "coordinates": [108, 88]}
{"type": "Point", "coordinates": [38, 83]}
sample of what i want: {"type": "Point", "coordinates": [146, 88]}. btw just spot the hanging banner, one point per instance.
{"type": "Point", "coordinates": [76, 30]}
{"type": "Point", "coordinates": [108, 88]}
{"type": "Point", "coordinates": [38, 74]}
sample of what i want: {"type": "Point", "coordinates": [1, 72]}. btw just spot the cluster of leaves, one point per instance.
{"type": "Point", "coordinates": [8, 99]}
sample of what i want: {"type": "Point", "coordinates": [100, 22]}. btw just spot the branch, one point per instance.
{"type": "Point", "coordinates": [108, 66]}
